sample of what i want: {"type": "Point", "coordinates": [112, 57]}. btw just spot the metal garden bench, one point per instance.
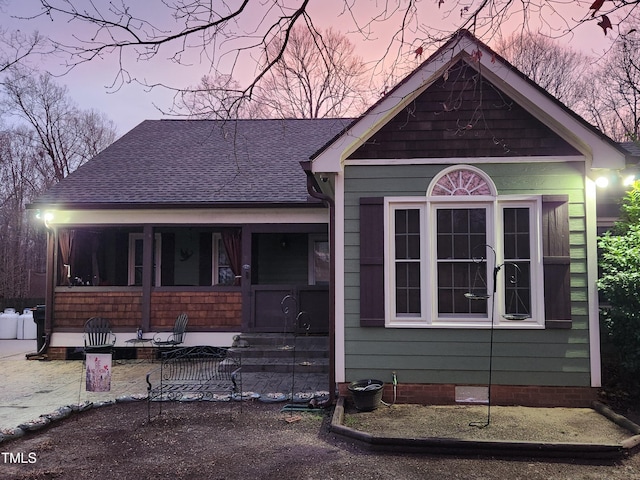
{"type": "Point", "coordinates": [195, 373]}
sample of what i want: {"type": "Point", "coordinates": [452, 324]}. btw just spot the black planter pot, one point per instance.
{"type": "Point", "coordinates": [366, 394]}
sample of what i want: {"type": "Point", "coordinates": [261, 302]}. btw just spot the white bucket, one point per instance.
{"type": "Point", "coordinates": [9, 324]}
{"type": "Point", "coordinates": [29, 327]}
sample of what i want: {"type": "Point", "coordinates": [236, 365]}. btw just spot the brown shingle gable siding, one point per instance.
{"type": "Point", "coordinates": [461, 116]}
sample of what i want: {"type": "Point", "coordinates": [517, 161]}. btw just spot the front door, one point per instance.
{"type": "Point", "coordinates": [289, 291]}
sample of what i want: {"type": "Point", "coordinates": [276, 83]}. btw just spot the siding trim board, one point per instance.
{"type": "Point", "coordinates": [463, 160]}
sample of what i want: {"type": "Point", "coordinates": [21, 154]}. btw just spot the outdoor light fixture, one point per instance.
{"type": "Point", "coordinates": [628, 180]}
{"type": "Point", "coordinates": [602, 182]}
{"type": "Point", "coordinates": [46, 217]}
{"type": "Point", "coordinates": [616, 178]}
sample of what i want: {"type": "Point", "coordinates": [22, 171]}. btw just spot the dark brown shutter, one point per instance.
{"type": "Point", "coordinates": [372, 262]}
{"type": "Point", "coordinates": [556, 261]}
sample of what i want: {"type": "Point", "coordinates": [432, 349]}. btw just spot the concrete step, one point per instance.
{"type": "Point", "coordinates": [277, 352]}
{"type": "Point", "coordinates": [279, 340]}
{"type": "Point", "coordinates": [286, 365]}
{"type": "Point", "coordinates": [285, 354]}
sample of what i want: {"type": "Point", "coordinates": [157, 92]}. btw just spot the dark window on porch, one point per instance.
{"type": "Point", "coordinates": [93, 257]}
{"type": "Point", "coordinates": [113, 257]}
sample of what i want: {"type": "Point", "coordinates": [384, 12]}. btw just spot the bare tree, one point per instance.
{"type": "Point", "coordinates": [614, 92]}
{"type": "Point", "coordinates": [215, 97]}
{"type": "Point", "coordinates": [16, 47]}
{"type": "Point", "coordinates": [63, 135]}
{"type": "Point", "coordinates": [560, 70]}
{"type": "Point", "coordinates": [233, 36]}
{"type": "Point", "coordinates": [48, 139]}
{"type": "Point", "coordinates": [318, 75]}
{"type": "Point", "coordinates": [21, 243]}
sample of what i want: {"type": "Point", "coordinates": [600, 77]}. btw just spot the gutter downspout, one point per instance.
{"type": "Point", "coordinates": [314, 191]}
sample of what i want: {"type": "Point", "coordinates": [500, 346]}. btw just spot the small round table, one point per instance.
{"type": "Point", "coordinates": [142, 342]}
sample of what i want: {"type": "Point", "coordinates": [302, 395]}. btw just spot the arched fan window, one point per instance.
{"type": "Point", "coordinates": [462, 181]}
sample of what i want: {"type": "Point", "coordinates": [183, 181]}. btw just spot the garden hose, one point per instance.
{"type": "Point", "coordinates": [395, 390]}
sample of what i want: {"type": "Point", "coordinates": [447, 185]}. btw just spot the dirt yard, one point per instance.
{"type": "Point", "coordinates": [206, 441]}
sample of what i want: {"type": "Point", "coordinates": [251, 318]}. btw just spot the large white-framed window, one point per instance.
{"type": "Point", "coordinates": [136, 241]}
{"type": "Point", "coordinates": [442, 251]}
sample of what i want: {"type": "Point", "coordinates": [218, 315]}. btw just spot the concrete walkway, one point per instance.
{"type": "Point", "coordinates": [30, 388]}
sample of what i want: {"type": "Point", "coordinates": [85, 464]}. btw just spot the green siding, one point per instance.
{"type": "Point", "coordinates": [441, 355]}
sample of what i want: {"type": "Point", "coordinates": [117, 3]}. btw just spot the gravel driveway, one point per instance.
{"type": "Point", "coordinates": [210, 441]}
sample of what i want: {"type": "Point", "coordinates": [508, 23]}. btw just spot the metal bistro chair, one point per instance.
{"type": "Point", "coordinates": [98, 337]}
{"type": "Point", "coordinates": [177, 336]}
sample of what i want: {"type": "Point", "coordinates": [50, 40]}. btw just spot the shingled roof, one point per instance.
{"type": "Point", "coordinates": [198, 163]}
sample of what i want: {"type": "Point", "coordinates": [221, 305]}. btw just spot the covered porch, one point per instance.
{"type": "Point", "coordinates": [229, 279]}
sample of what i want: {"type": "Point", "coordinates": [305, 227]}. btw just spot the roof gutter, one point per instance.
{"type": "Point", "coordinates": [315, 192]}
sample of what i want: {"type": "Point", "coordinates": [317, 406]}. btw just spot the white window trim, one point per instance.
{"type": "Point", "coordinates": [391, 318]}
{"type": "Point", "coordinates": [157, 257]}
{"type": "Point", "coordinates": [459, 321]}
{"type": "Point", "coordinates": [429, 316]}
{"type": "Point", "coordinates": [536, 267]}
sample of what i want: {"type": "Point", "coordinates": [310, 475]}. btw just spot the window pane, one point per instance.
{"type": "Point", "coordinates": [225, 275]}
{"type": "Point", "coordinates": [401, 247]}
{"type": "Point", "coordinates": [413, 220]}
{"type": "Point", "coordinates": [413, 246]}
{"type": "Point", "coordinates": [516, 233]}
{"type": "Point", "coordinates": [457, 279]}
{"type": "Point", "coordinates": [444, 221]}
{"type": "Point", "coordinates": [408, 288]}
{"type": "Point", "coordinates": [407, 237]}
{"type": "Point", "coordinates": [517, 255]}
{"type": "Point", "coordinates": [414, 301]}
{"type": "Point", "coordinates": [461, 246]}
{"type": "Point", "coordinates": [321, 262]}
{"type": "Point", "coordinates": [138, 251]}
{"type": "Point", "coordinates": [444, 246]}
{"type": "Point", "coordinates": [407, 261]}
{"type": "Point", "coordinates": [478, 221]}
{"type": "Point", "coordinates": [460, 234]}
{"type": "Point", "coordinates": [401, 275]}
{"type": "Point", "coordinates": [445, 301]}
{"type": "Point", "coordinates": [460, 231]}
{"type": "Point", "coordinates": [401, 221]}
{"type": "Point", "coordinates": [517, 286]}
{"type": "Point", "coordinates": [460, 221]}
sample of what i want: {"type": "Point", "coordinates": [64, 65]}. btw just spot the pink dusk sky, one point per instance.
{"type": "Point", "coordinates": [89, 83]}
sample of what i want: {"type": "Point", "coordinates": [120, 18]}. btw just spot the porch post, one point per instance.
{"type": "Point", "coordinates": [147, 276]}
{"type": "Point", "coordinates": [50, 280]}
{"type": "Point", "coordinates": [245, 282]}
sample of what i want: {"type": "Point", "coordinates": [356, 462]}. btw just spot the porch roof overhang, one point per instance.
{"type": "Point", "coordinates": [233, 214]}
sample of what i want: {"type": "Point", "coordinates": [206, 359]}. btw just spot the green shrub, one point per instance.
{"type": "Point", "coordinates": [620, 286]}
